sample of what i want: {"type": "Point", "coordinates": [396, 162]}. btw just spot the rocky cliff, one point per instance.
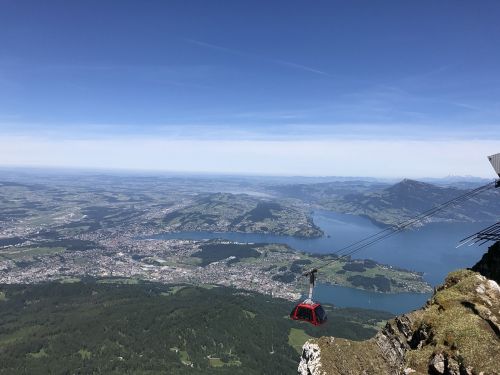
{"type": "Point", "coordinates": [457, 332]}
{"type": "Point", "coordinates": [489, 265]}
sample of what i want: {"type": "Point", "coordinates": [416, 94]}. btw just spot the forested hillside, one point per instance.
{"type": "Point", "coordinates": [109, 326]}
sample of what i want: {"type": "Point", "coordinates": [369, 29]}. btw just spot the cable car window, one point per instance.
{"type": "Point", "coordinates": [320, 313]}
{"type": "Point", "coordinates": [304, 313]}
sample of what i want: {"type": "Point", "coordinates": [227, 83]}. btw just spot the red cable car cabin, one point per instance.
{"type": "Point", "coordinates": [309, 312]}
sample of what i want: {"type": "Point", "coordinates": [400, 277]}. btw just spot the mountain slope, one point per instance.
{"type": "Point", "coordinates": [457, 332]}
{"type": "Point", "coordinates": [225, 212]}
{"type": "Point", "coordinates": [113, 326]}
{"type": "Point", "coordinates": [409, 198]}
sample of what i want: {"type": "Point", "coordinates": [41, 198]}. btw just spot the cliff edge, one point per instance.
{"type": "Point", "coordinates": [457, 332]}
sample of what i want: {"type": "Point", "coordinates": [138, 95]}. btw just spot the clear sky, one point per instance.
{"type": "Point", "coordinates": [359, 88]}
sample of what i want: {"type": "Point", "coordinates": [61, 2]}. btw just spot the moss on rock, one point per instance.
{"type": "Point", "coordinates": [456, 332]}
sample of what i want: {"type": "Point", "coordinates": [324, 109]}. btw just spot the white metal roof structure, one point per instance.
{"type": "Point", "coordinates": [495, 162]}
{"type": "Point", "coordinates": [492, 233]}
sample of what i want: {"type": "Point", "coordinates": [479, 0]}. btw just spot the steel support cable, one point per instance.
{"type": "Point", "coordinates": [416, 219]}
{"type": "Point", "coordinates": [486, 230]}
{"type": "Point", "coordinates": [399, 227]}
{"type": "Point", "coordinates": [411, 221]}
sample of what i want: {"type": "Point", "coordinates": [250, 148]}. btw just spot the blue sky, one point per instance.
{"type": "Point", "coordinates": [410, 79]}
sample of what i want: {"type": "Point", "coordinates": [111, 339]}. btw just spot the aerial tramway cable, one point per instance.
{"type": "Point", "coordinates": [399, 227]}
{"type": "Point", "coordinates": [314, 313]}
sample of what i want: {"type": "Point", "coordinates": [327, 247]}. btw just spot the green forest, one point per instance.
{"type": "Point", "coordinates": [108, 326]}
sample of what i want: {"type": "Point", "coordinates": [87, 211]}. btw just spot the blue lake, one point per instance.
{"type": "Point", "coordinates": [430, 249]}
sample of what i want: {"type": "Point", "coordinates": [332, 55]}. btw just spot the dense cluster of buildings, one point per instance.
{"type": "Point", "coordinates": [165, 261]}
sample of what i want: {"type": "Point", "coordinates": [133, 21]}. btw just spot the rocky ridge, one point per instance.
{"type": "Point", "coordinates": [457, 332]}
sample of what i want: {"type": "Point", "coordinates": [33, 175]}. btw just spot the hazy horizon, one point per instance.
{"type": "Point", "coordinates": [275, 88]}
{"type": "Point", "coordinates": [124, 172]}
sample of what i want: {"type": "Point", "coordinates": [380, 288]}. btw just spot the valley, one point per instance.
{"type": "Point", "coordinates": [112, 227]}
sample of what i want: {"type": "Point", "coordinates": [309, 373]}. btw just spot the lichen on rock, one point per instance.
{"type": "Point", "coordinates": [311, 360]}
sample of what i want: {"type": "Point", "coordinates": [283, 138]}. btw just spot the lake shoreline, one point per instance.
{"type": "Point", "coordinates": [429, 250]}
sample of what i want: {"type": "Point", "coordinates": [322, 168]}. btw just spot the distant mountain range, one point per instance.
{"type": "Point", "coordinates": [388, 204]}
{"type": "Point", "coordinates": [461, 182]}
